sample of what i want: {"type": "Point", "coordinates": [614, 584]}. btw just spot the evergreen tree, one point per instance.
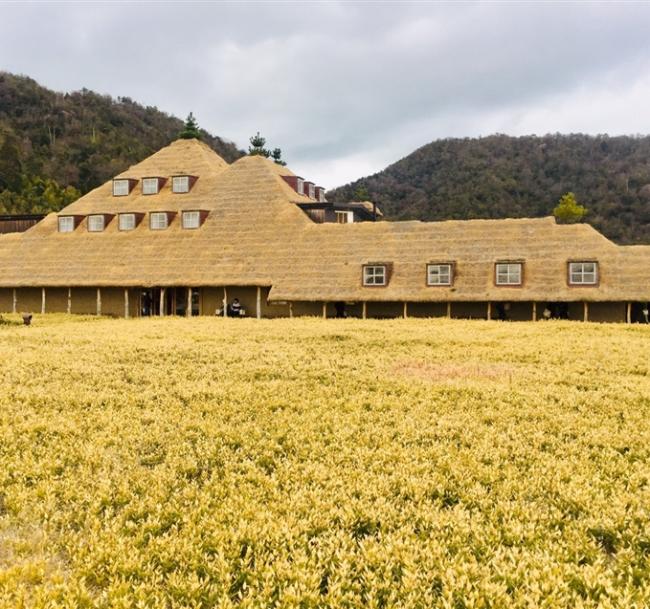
{"type": "Point", "coordinates": [568, 210]}
{"type": "Point", "coordinates": [257, 146]}
{"type": "Point", "coordinates": [277, 156]}
{"type": "Point", "coordinates": [361, 194]}
{"type": "Point", "coordinates": [191, 129]}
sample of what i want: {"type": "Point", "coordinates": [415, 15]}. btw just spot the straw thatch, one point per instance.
{"type": "Point", "coordinates": [256, 235]}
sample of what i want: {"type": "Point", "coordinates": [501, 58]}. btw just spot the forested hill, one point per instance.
{"type": "Point", "coordinates": [501, 176]}
{"type": "Point", "coordinates": [56, 146]}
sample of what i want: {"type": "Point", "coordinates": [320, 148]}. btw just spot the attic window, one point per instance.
{"type": "Point", "coordinates": [439, 274]}
{"type": "Point", "coordinates": [181, 184]}
{"type": "Point", "coordinates": [158, 220]}
{"type": "Point", "coordinates": [312, 191]}
{"type": "Point", "coordinates": [374, 275]}
{"type": "Point", "coordinates": [66, 224]}
{"type": "Point", "coordinates": [127, 221]}
{"type": "Point", "coordinates": [508, 273]}
{"type": "Point", "coordinates": [150, 186]}
{"type": "Point", "coordinates": [583, 273]}
{"type": "Point", "coordinates": [191, 219]}
{"type": "Point", "coordinates": [320, 194]}
{"type": "Point", "coordinates": [300, 186]}
{"type": "Point", "coordinates": [121, 188]}
{"type": "Point", "coordinates": [96, 223]}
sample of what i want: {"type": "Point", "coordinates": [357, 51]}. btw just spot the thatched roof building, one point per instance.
{"type": "Point", "coordinates": [242, 230]}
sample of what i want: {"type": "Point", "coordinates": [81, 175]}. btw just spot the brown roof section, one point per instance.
{"type": "Point", "coordinates": [254, 234]}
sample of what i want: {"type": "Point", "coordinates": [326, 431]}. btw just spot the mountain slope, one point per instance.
{"type": "Point", "coordinates": [50, 141]}
{"type": "Point", "coordinates": [501, 176]}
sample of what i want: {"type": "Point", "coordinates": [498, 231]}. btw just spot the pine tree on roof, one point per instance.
{"type": "Point", "coordinates": [191, 129]}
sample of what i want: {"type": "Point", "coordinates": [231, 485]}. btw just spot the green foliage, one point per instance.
{"type": "Point", "coordinates": [361, 194]}
{"type": "Point", "coordinates": [501, 176]}
{"type": "Point", "coordinates": [191, 129]}
{"type": "Point", "coordinates": [67, 144]}
{"type": "Point", "coordinates": [276, 155]}
{"type": "Point", "coordinates": [568, 210]}
{"type": "Point", "coordinates": [257, 147]}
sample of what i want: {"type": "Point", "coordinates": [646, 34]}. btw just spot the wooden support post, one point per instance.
{"type": "Point", "coordinates": [258, 303]}
{"type": "Point", "coordinates": [628, 313]}
{"type": "Point", "coordinates": [225, 302]}
{"type": "Point", "coordinates": [489, 311]}
{"type": "Point", "coordinates": [324, 310]}
{"type": "Point", "coordinates": [126, 303]}
{"type": "Point", "coordinates": [14, 308]}
{"type": "Point", "coordinates": [405, 313]}
{"type": "Point", "coordinates": [585, 305]}
{"type": "Point", "coordinates": [42, 301]}
{"type": "Point", "coordinates": [290, 309]}
{"type": "Point", "coordinates": [188, 308]}
{"type": "Point", "coordinates": [161, 312]}
{"type": "Point", "coordinates": [449, 310]}
{"type": "Point", "coordinates": [534, 311]}
{"type": "Point", "coordinates": [99, 301]}
{"type": "Point", "coordinates": [364, 310]}
{"type": "Point", "coordinates": [69, 310]}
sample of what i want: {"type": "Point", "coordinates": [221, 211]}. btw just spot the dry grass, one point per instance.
{"type": "Point", "coordinates": [310, 463]}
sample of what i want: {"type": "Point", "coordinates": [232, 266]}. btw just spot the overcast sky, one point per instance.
{"type": "Point", "coordinates": [347, 88]}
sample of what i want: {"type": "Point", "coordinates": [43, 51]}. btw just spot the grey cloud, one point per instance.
{"type": "Point", "coordinates": [328, 81]}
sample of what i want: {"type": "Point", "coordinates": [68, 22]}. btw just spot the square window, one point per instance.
{"type": "Point", "coordinates": [439, 274]}
{"type": "Point", "coordinates": [191, 219]}
{"type": "Point", "coordinates": [508, 273]}
{"type": "Point", "coordinates": [121, 188]}
{"type": "Point", "coordinates": [96, 223]}
{"type": "Point", "coordinates": [181, 184]}
{"type": "Point", "coordinates": [374, 275]}
{"type": "Point", "coordinates": [158, 220]}
{"type": "Point", "coordinates": [127, 221]}
{"type": "Point", "coordinates": [66, 224]}
{"type": "Point", "coordinates": [150, 186]}
{"type": "Point", "coordinates": [583, 273]}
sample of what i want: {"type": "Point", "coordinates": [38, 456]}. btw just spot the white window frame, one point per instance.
{"type": "Point", "coordinates": [312, 191]}
{"type": "Point", "coordinates": [508, 273]}
{"type": "Point", "coordinates": [96, 223]}
{"type": "Point", "coordinates": [154, 218]}
{"type": "Point", "coordinates": [580, 275]}
{"type": "Point", "coordinates": [440, 274]}
{"type": "Point", "coordinates": [180, 184]}
{"type": "Point", "coordinates": [118, 188]}
{"type": "Point", "coordinates": [66, 224]}
{"type": "Point", "coordinates": [375, 275]}
{"type": "Point", "coordinates": [348, 215]}
{"type": "Point", "coordinates": [300, 186]}
{"type": "Point", "coordinates": [196, 219]}
{"type": "Point", "coordinates": [150, 186]}
{"type": "Point", "coordinates": [125, 224]}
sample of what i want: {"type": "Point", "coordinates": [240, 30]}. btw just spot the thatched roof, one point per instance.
{"type": "Point", "coordinates": [256, 235]}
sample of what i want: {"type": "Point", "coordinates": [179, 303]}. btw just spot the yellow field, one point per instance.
{"type": "Point", "coordinates": [311, 463]}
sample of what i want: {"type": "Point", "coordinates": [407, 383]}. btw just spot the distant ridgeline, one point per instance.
{"type": "Point", "coordinates": [501, 176]}
{"type": "Point", "coordinates": [56, 146]}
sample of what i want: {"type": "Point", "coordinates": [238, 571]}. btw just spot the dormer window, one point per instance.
{"type": "Point", "coordinates": [181, 184]}
{"type": "Point", "coordinates": [122, 187]}
{"type": "Point", "coordinates": [150, 186]}
{"type": "Point", "coordinates": [583, 273]}
{"type": "Point", "coordinates": [311, 190]}
{"type": "Point", "coordinates": [66, 224]}
{"type": "Point", "coordinates": [508, 273]}
{"type": "Point", "coordinates": [300, 186]}
{"type": "Point", "coordinates": [320, 194]}
{"type": "Point", "coordinates": [96, 223]}
{"type": "Point", "coordinates": [126, 222]}
{"type": "Point", "coordinates": [191, 219]}
{"type": "Point", "coordinates": [158, 220]}
{"type": "Point", "coordinates": [375, 275]}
